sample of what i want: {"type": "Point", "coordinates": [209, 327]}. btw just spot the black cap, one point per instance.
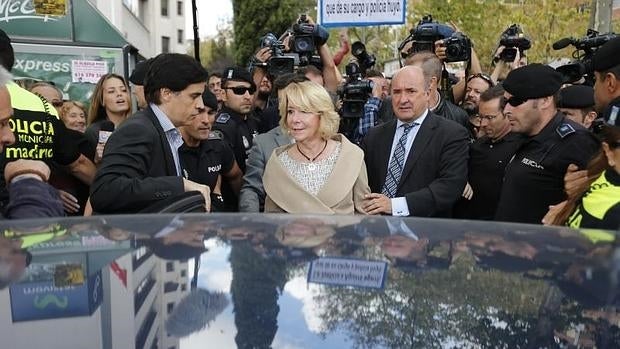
{"type": "Point", "coordinates": [607, 56]}
{"type": "Point", "coordinates": [533, 81]}
{"type": "Point", "coordinates": [576, 97]}
{"type": "Point", "coordinates": [237, 74]}
{"type": "Point", "coordinates": [139, 72]}
{"type": "Point", "coordinates": [7, 57]}
{"type": "Point", "coordinates": [209, 99]}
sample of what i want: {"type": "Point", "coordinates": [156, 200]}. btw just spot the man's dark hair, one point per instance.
{"type": "Point", "coordinates": [173, 71]}
{"type": "Point", "coordinates": [309, 69]}
{"type": "Point", "coordinates": [7, 56]}
{"type": "Point", "coordinates": [285, 79]}
{"type": "Point", "coordinates": [613, 70]}
{"type": "Point", "coordinates": [216, 75]}
{"type": "Point", "coordinates": [491, 93]}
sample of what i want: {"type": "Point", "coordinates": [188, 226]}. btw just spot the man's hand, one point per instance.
{"type": "Point", "coordinates": [377, 203]}
{"type": "Point", "coordinates": [69, 202]}
{"type": "Point", "coordinates": [552, 214]}
{"type": "Point", "coordinates": [263, 55]}
{"type": "Point", "coordinates": [23, 166]}
{"type": "Point", "coordinates": [203, 189]}
{"type": "Point", "coordinates": [573, 180]}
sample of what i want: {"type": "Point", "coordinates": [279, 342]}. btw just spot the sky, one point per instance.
{"type": "Point", "coordinates": [210, 13]}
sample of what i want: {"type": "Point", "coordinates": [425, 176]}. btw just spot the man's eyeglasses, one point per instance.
{"type": "Point", "coordinates": [513, 101]}
{"type": "Point", "coordinates": [482, 76]}
{"type": "Point", "coordinates": [487, 117]}
{"type": "Point", "coordinates": [614, 145]}
{"type": "Point", "coordinates": [241, 90]}
{"type": "Point", "coordinates": [57, 104]}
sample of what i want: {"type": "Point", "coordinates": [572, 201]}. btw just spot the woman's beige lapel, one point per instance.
{"type": "Point", "coordinates": [343, 192]}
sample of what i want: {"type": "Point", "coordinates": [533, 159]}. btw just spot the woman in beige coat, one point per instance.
{"type": "Point", "coordinates": [322, 172]}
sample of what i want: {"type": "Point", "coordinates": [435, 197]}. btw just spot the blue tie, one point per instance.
{"type": "Point", "coordinates": [395, 169]}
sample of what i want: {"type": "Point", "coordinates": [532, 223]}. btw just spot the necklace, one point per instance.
{"type": "Point", "coordinates": [311, 166]}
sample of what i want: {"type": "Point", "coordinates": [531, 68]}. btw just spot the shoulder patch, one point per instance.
{"type": "Point", "coordinates": [222, 118]}
{"type": "Point", "coordinates": [216, 134]}
{"type": "Point", "coordinates": [564, 130]}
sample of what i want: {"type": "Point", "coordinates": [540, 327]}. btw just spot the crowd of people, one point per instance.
{"type": "Point", "coordinates": [517, 145]}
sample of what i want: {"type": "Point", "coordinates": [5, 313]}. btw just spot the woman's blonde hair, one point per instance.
{"type": "Point", "coordinates": [66, 106]}
{"type": "Point", "coordinates": [310, 97]}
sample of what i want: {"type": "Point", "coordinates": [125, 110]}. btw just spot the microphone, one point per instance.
{"type": "Point", "coordinates": [560, 44]}
{"type": "Point", "coordinates": [107, 127]}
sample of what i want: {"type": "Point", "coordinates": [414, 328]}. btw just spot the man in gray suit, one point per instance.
{"type": "Point", "coordinates": [252, 196]}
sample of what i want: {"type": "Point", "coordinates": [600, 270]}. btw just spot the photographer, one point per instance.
{"type": "Point", "coordinates": [510, 53]}
{"type": "Point", "coordinates": [380, 91]}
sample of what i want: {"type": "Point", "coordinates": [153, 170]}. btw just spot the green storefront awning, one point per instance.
{"type": "Point", "coordinates": [83, 24]}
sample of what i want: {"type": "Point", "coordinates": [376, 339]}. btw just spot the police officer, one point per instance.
{"type": "Point", "coordinates": [235, 120]}
{"type": "Point", "coordinates": [206, 158]}
{"type": "Point", "coordinates": [577, 103]}
{"type": "Point", "coordinates": [534, 177]}
{"type": "Point", "coordinates": [607, 84]}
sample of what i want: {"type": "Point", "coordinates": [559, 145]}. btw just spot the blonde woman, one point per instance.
{"type": "Point", "coordinates": [321, 172]}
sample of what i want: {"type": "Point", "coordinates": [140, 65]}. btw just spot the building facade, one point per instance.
{"type": "Point", "coordinates": [153, 26]}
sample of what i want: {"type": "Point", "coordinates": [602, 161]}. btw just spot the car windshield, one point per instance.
{"type": "Point", "coordinates": [287, 281]}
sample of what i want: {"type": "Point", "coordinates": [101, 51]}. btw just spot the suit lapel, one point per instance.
{"type": "Point", "coordinates": [386, 138]}
{"type": "Point", "coordinates": [171, 168]}
{"type": "Point", "coordinates": [421, 141]}
{"type": "Point", "coordinates": [281, 137]}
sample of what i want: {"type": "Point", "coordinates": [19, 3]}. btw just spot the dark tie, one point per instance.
{"type": "Point", "coordinates": [395, 169]}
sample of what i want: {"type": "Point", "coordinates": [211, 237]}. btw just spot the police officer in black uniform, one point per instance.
{"type": "Point", "coordinates": [534, 179]}
{"type": "Point", "coordinates": [236, 120]}
{"type": "Point", "coordinates": [606, 64]}
{"type": "Point", "coordinates": [207, 159]}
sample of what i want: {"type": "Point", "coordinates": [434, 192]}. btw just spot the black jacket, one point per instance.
{"type": "Point", "coordinates": [137, 168]}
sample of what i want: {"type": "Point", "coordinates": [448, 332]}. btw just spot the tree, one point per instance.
{"type": "Point", "coordinates": [216, 53]}
{"type": "Point", "coordinates": [254, 19]}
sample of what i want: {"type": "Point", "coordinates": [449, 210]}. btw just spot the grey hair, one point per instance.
{"type": "Point", "coordinates": [5, 77]}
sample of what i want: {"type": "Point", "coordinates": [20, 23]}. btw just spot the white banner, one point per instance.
{"type": "Point", "coordinates": [348, 272]}
{"type": "Point", "coordinates": [355, 13]}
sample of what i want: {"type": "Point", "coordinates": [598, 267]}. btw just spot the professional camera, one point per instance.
{"type": "Point", "coordinates": [279, 63]}
{"type": "Point", "coordinates": [306, 39]}
{"type": "Point", "coordinates": [458, 48]}
{"type": "Point", "coordinates": [513, 39]}
{"type": "Point", "coordinates": [581, 66]}
{"type": "Point", "coordinates": [364, 60]}
{"type": "Point", "coordinates": [424, 35]}
{"type": "Point", "coordinates": [354, 93]}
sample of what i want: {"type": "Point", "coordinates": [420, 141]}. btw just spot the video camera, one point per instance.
{"type": "Point", "coordinates": [279, 63]}
{"type": "Point", "coordinates": [365, 61]}
{"type": "Point", "coordinates": [354, 93]}
{"type": "Point", "coordinates": [305, 40]}
{"type": "Point", "coordinates": [513, 39]}
{"type": "Point", "coordinates": [581, 66]}
{"type": "Point", "coordinates": [424, 35]}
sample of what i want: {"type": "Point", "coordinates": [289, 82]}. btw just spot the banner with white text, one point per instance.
{"type": "Point", "coordinates": [356, 13]}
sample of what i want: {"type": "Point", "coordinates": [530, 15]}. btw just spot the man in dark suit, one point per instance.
{"type": "Point", "coordinates": [140, 164]}
{"type": "Point", "coordinates": [417, 164]}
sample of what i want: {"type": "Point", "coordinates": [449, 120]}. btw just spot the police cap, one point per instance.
{"type": "Point", "coordinates": [533, 81]}
{"type": "Point", "coordinates": [137, 77]}
{"type": "Point", "coordinates": [237, 74]}
{"type": "Point", "coordinates": [607, 57]}
{"type": "Point", "coordinates": [209, 99]}
{"type": "Point", "coordinates": [576, 97]}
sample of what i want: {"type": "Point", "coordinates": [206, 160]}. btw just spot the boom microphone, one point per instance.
{"type": "Point", "coordinates": [560, 44]}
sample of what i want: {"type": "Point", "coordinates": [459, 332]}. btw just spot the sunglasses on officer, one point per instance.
{"type": "Point", "coordinates": [482, 76]}
{"type": "Point", "coordinates": [513, 101]}
{"type": "Point", "coordinates": [241, 90]}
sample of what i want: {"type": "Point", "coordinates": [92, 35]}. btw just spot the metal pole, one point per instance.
{"type": "Point", "coordinates": [196, 37]}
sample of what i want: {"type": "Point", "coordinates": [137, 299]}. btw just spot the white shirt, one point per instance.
{"type": "Point", "coordinates": [175, 140]}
